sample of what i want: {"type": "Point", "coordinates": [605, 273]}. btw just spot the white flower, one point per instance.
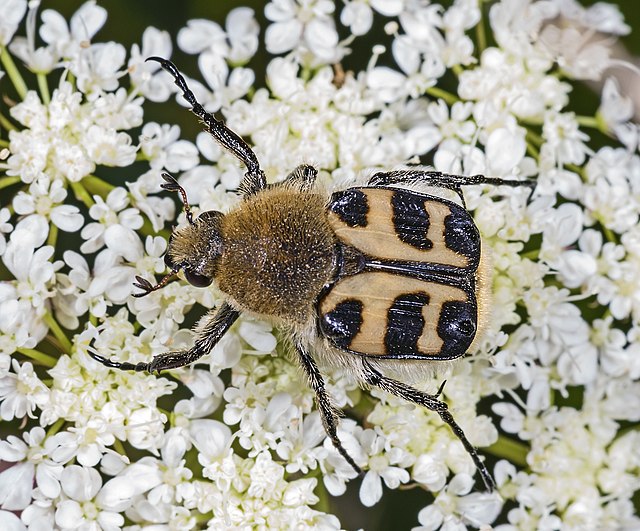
{"type": "Point", "coordinates": [238, 44]}
{"type": "Point", "coordinates": [11, 13]}
{"type": "Point", "coordinates": [21, 392]}
{"type": "Point", "coordinates": [32, 269]}
{"type": "Point", "coordinates": [109, 213]}
{"type": "Point", "coordinates": [40, 60]}
{"type": "Point", "coordinates": [306, 25]}
{"type": "Point", "coordinates": [161, 145]}
{"type": "Point", "coordinates": [46, 200]}
{"type": "Point", "coordinates": [83, 509]}
{"type": "Point", "coordinates": [69, 39]}
{"type": "Point", "coordinates": [381, 459]}
{"type": "Point", "coordinates": [5, 228]}
{"type": "Point", "coordinates": [143, 74]}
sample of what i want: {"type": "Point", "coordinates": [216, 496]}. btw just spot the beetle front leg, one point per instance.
{"type": "Point", "coordinates": [254, 179]}
{"type": "Point", "coordinates": [207, 337]}
{"type": "Point", "coordinates": [431, 402]}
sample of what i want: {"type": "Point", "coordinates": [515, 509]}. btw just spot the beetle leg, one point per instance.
{"type": "Point", "coordinates": [441, 180]}
{"type": "Point", "coordinates": [327, 411]}
{"type": "Point", "coordinates": [207, 337]}
{"type": "Point", "coordinates": [431, 402]}
{"type": "Point", "coordinates": [254, 179]}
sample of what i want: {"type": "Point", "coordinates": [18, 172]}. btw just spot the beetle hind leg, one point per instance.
{"type": "Point", "coordinates": [431, 402]}
{"type": "Point", "coordinates": [327, 412]}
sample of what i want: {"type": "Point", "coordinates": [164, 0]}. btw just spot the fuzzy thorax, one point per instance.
{"type": "Point", "coordinates": [278, 253]}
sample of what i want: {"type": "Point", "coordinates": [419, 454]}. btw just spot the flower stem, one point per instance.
{"type": "Point", "coordinates": [436, 92]}
{"type": "Point", "coordinates": [53, 235]}
{"type": "Point", "coordinates": [513, 451]}
{"type": "Point", "coordinates": [54, 327]}
{"type": "Point", "coordinates": [96, 186]}
{"type": "Point", "coordinates": [81, 194]}
{"type": "Point", "coordinates": [44, 89]}
{"type": "Point", "coordinates": [55, 428]}
{"type": "Point", "coordinates": [40, 357]}
{"type": "Point", "coordinates": [12, 72]}
{"type": "Point", "coordinates": [481, 36]}
{"type": "Point", "coordinates": [5, 182]}
{"type": "Point", "coordinates": [6, 124]}
{"type": "Point", "coordinates": [119, 447]}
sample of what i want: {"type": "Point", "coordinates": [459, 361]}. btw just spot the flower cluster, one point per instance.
{"type": "Point", "coordinates": [235, 441]}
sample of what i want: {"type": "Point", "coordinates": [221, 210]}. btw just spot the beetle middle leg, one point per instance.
{"type": "Point", "coordinates": [431, 402]}
{"type": "Point", "coordinates": [254, 179]}
{"type": "Point", "coordinates": [327, 412]}
{"type": "Point", "coordinates": [216, 327]}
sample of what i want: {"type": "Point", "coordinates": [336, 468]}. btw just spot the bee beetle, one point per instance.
{"type": "Point", "coordinates": [369, 278]}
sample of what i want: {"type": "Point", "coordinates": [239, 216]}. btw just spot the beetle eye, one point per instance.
{"type": "Point", "coordinates": [167, 261]}
{"type": "Point", "coordinates": [199, 281]}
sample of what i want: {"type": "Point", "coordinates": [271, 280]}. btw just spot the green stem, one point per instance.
{"type": "Point", "coordinates": [436, 92]}
{"type": "Point", "coordinates": [532, 150]}
{"type": "Point", "coordinates": [53, 235]}
{"type": "Point", "coordinates": [5, 182]}
{"type": "Point", "coordinates": [6, 124]}
{"type": "Point", "coordinates": [55, 428]}
{"type": "Point", "coordinates": [81, 194]}
{"type": "Point", "coordinates": [481, 36]}
{"type": "Point", "coordinates": [40, 357]}
{"type": "Point", "coordinates": [119, 447]}
{"type": "Point", "coordinates": [54, 327]}
{"type": "Point", "coordinates": [531, 255]}
{"type": "Point", "coordinates": [609, 234]}
{"type": "Point", "coordinates": [12, 72]}
{"type": "Point", "coordinates": [44, 89]}
{"type": "Point", "coordinates": [96, 186]}
{"type": "Point", "coordinates": [534, 138]}
{"type": "Point", "coordinates": [513, 451]}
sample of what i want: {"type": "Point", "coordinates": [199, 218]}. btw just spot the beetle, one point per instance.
{"type": "Point", "coordinates": [372, 277]}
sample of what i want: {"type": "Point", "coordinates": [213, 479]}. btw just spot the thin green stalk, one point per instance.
{"type": "Point", "coordinates": [119, 447]}
{"type": "Point", "coordinates": [534, 138]}
{"type": "Point", "coordinates": [5, 182]}
{"type": "Point", "coordinates": [44, 89]}
{"type": "Point", "coordinates": [531, 255]}
{"type": "Point", "coordinates": [57, 332]}
{"type": "Point", "coordinates": [6, 124]}
{"type": "Point", "coordinates": [55, 428]}
{"type": "Point", "coordinates": [81, 194]}
{"type": "Point", "coordinates": [532, 150]}
{"type": "Point", "coordinates": [481, 36]}
{"type": "Point", "coordinates": [40, 357]}
{"type": "Point", "coordinates": [96, 186]}
{"type": "Point", "coordinates": [436, 92]}
{"type": "Point", "coordinates": [513, 451]}
{"type": "Point", "coordinates": [12, 72]}
{"type": "Point", "coordinates": [53, 235]}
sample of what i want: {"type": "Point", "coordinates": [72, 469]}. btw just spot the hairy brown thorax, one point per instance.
{"type": "Point", "coordinates": [278, 252]}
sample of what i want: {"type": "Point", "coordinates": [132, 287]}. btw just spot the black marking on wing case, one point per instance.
{"type": "Point", "coordinates": [411, 219]}
{"type": "Point", "coordinates": [405, 324]}
{"type": "Point", "coordinates": [457, 326]}
{"type": "Point", "coordinates": [351, 206]}
{"type": "Point", "coordinates": [462, 235]}
{"type": "Point", "coordinates": [342, 324]}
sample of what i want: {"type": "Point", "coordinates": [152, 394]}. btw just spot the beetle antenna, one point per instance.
{"type": "Point", "coordinates": [171, 185]}
{"type": "Point", "coordinates": [147, 287]}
